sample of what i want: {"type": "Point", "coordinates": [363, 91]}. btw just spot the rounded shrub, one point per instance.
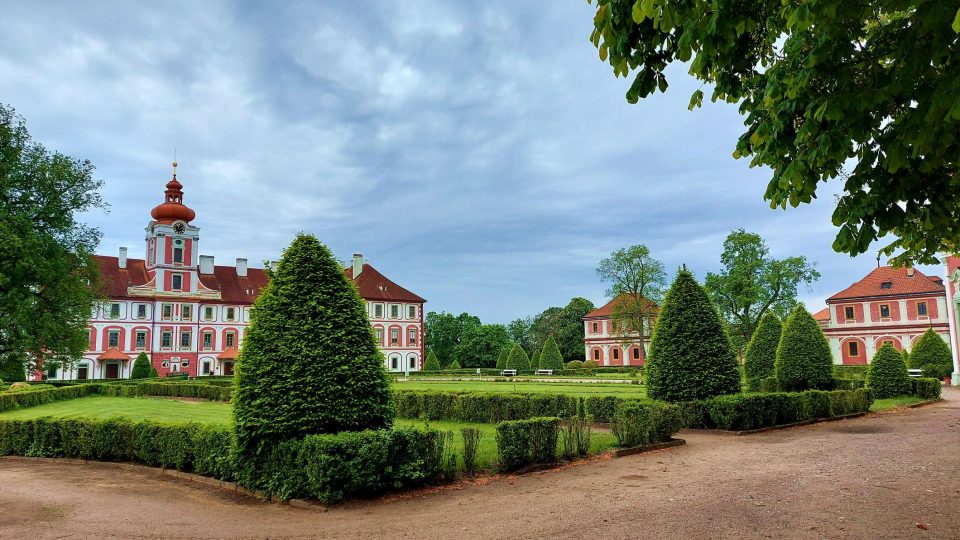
{"type": "Point", "coordinates": [518, 359]}
{"type": "Point", "coordinates": [761, 356]}
{"type": "Point", "coordinates": [590, 364]}
{"type": "Point", "coordinates": [454, 365]}
{"type": "Point", "coordinates": [550, 357]}
{"type": "Point", "coordinates": [690, 354]}
{"type": "Point", "coordinates": [431, 364]}
{"type": "Point", "coordinates": [309, 363]}
{"type": "Point", "coordinates": [141, 367]}
{"type": "Point", "coordinates": [887, 376]}
{"type": "Point", "coordinates": [932, 354]}
{"type": "Point", "coordinates": [804, 361]}
{"type": "Point", "coordinates": [574, 364]}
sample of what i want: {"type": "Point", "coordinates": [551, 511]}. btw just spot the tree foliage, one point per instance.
{"type": "Point", "coordinates": [480, 346]}
{"type": "Point", "coordinates": [454, 365]}
{"type": "Point", "coordinates": [550, 357]}
{"type": "Point", "coordinates": [535, 359]}
{"type": "Point", "coordinates": [141, 367]}
{"type": "Point", "coordinates": [502, 357]}
{"type": "Point", "coordinates": [518, 359]}
{"type": "Point", "coordinates": [637, 283]}
{"type": "Point", "coordinates": [309, 363]}
{"type": "Point", "coordinates": [761, 355]}
{"type": "Point", "coordinates": [804, 361]}
{"type": "Point", "coordinates": [887, 375]}
{"type": "Point", "coordinates": [46, 266]}
{"type": "Point", "coordinates": [690, 355]}
{"type": "Point", "coordinates": [443, 332]}
{"type": "Point", "coordinates": [431, 363]}
{"type": "Point", "coordinates": [932, 354]}
{"type": "Point", "coordinates": [861, 90]}
{"type": "Point", "coordinates": [752, 283]}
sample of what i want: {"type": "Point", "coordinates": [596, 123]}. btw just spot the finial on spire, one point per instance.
{"type": "Point", "coordinates": [174, 162]}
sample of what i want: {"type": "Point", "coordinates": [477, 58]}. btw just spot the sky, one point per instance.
{"type": "Point", "coordinates": [477, 153]}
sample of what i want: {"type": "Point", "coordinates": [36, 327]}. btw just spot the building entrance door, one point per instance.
{"type": "Point", "coordinates": [82, 373]}
{"type": "Point", "coordinates": [228, 368]}
{"type": "Point", "coordinates": [112, 371]}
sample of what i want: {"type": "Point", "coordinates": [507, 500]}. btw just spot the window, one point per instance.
{"type": "Point", "coordinates": [922, 309]}
{"type": "Point", "coordinates": [596, 328]}
{"type": "Point", "coordinates": [166, 312]}
{"type": "Point", "coordinates": [185, 340]}
{"type": "Point", "coordinates": [616, 354]}
{"type": "Point", "coordinates": [176, 282]}
{"type": "Point", "coordinates": [114, 311]}
{"type": "Point", "coordinates": [141, 341]}
{"type": "Point", "coordinates": [177, 255]}
{"type": "Point", "coordinates": [412, 312]}
{"type": "Point", "coordinates": [394, 311]}
{"type": "Point", "coordinates": [848, 313]}
{"type": "Point", "coordinates": [141, 311]}
{"type": "Point", "coordinates": [186, 311]}
{"type": "Point", "coordinates": [413, 362]}
{"type": "Point", "coordinates": [229, 339]}
{"type": "Point", "coordinates": [206, 368]}
{"type": "Point", "coordinates": [394, 337]}
{"type": "Point", "coordinates": [231, 313]}
{"type": "Point", "coordinates": [113, 338]}
{"type": "Point", "coordinates": [208, 313]}
{"type": "Point", "coordinates": [596, 354]}
{"type": "Point", "coordinates": [412, 336]}
{"type": "Point", "coordinates": [52, 373]}
{"type": "Point", "coordinates": [854, 348]}
{"type": "Point", "coordinates": [380, 336]}
{"type": "Point", "coordinates": [394, 362]}
{"type": "Point", "coordinates": [378, 311]}
{"type": "Point", "coordinates": [207, 341]}
{"type": "Point", "coordinates": [884, 311]}
{"type": "Point", "coordinates": [886, 285]}
{"type": "Point", "coordinates": [886, 342]}
{"type": "Point", "coordinates": [166, 339]}
{"type": "Point", "coordinates": [636, 353]}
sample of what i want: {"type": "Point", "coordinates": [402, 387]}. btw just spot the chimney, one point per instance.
{"type": "Point", "coordinates": [206, 264]}
{"type": "Point", "coordinates": [122, 259]}
{"type": "Point", "coordinates": [357, 264]}
{"type": "Point", "coordinates": [911, 272]}
{"type": "Point", "coordinates": [241, 267]}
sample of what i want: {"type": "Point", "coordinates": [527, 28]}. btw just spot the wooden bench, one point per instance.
{"type": "Point", "coordinates": [509, 373]}
{"type": "Point", "coordinates": [915, 372]}
{"type": "Point", "coordinates": [544, 372]}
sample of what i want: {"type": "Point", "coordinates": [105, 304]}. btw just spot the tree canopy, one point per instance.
{"type": "Point", "coordinates": [637, 282]}
{"type": "Point", "coordinates": [761, 354]}
{"type": "Point", "coordinates": [862, 90]}
{"type": "Point", "coordinates": [443, 332]}
{"type": "Point", "coordinates": [480, 346]}
{"type": "Point", "coordinates": [46, 267]}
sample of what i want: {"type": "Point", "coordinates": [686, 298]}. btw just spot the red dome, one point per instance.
{"type": "Point", "coordinates": [172, 209]}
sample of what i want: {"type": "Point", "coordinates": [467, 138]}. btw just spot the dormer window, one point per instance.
{"type": "Point", "coordinates": [886, 285]}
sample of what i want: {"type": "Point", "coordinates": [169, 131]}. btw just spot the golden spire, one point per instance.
{"type": "Point", "coordinates": [174, 169]}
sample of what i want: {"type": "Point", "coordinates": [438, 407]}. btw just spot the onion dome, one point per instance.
{"type": "Point", "coordinates": [172, 209]}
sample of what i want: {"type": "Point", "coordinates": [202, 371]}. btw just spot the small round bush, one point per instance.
{"type": "Point", "coordinates": [590, 364]}
{"type": "Point", "coordinates": [431, 364]}
{"type": "Point", "coordinates": [804, 361]}
{"type": "Point", "coordinates": [518, 359]}
{"type": "Point", "coordinates": [574, 364]}
{"type": "Point", "coordinates": [932, 354]}
{"type": "Point", "coordinates": [550, 357]}
{"type": "Point", "coordinates": [761, 355]}
{"type": "Point", "coordinates": [887, 375]}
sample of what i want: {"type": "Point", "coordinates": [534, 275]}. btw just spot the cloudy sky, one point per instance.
{"type": "Point", "coordinates": [478, 153]}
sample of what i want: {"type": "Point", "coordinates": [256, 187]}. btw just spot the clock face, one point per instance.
{"type": "Point", "coordinates": [178, 228]}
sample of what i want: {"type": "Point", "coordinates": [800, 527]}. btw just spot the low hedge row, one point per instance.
{"type": "Point", "coordinates": [753, 411]}
{"type": "Point", "coordinates": [39, 396]}
{"type": "Point", "coordinates": [637, 423]}
{"type": "Point", "coordinates": [179, 389]}
{"type": "Point", "coordinates": [769, 384]}
{"type": "Point", "coordinates": [492, 408]}
{"type": "Point", "coordinates": [525, 442]}
{"type": "Point", "coordinates": [925, 387]}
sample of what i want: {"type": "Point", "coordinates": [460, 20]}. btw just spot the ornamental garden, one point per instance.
{"type": "Point", "coordinates": [312, 413]}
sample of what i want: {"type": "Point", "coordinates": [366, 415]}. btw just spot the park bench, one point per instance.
{"type": "Point", "coordinates": [915, 372]}
{"type": "Point", "coordinates": [509, 373]}
{"type": "Point", "coordinates": [544, 372]}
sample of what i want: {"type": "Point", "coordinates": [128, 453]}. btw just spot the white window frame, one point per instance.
{"type": "Point", "coordinates": [136, 340]}
{"type": "Point", "coordinates": [110, 340]}
{"type": "Point", "coordinates": [207, 343]}
{"type": "Point", "coordinates": [394, 311]}
{"type": "Point", "coordinates": [411, 312]}
{"type": "Point", "coordinates": [167, 334]}
{"type": "Point", "coordinates": [189, 335]}
{"type": "Point", "coordinates": [208, 313]}
{"type": "Point", "coordinates": [926, 309]}
{"type": "Point", "coordinates": [228, 338]}
{"type": "Point", "coordinates": [180, 253]}
{"type": "Point", "coordinates": [141, 311]}
{"type": "Point", "coordinates": [163, 312]}
{"type": "Point", "coordinates": [188, 308]}
{"type": "Point", "coordinates": [114, 307]}
{"type": "Point", "coordinates": [378, 311]}
{"type": "Point", "coordinates": [231, 314]}
{"type": "Point", "coordinates": [173, 281]}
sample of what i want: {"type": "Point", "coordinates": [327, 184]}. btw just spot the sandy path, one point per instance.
{"type": "Point", "coordinates": [873, 477]}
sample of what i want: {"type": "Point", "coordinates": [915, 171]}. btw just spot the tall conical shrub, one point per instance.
{"type": "Point", "coordinates": [535, 360]}
{"type": "Point", "coordinates": [932, 354]}
{"type": "Point", "coordinates": [761, 355]}
{"type": "Point", "coordinates": [431, 364]}
{"type": "Point", "coordinates": [550, 357]}
{"type": "Point", "coordinates": [309, 363]}
{"type": "Point", "coordinates": [690, 354]}
{"type": "Point", "coordinates": [518, 359]}
{"type": "Point", "coordinates": [141, 367]}
{"type": "Point", "coordinates": [887, 375]}
{"type": "Point", "coordinates": [804, 361]}
{"type": "Point", "coordinates": [502, 358]}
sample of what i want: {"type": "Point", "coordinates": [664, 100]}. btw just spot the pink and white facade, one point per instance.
{"type": "Point", "coordinates": [190, 316]}
{"type": "Point", "coordinates": [953, 313]}
{"type": "Point", "coordinates": [889, 305]}
{"type": "Point", "coordinates": [606, 346]}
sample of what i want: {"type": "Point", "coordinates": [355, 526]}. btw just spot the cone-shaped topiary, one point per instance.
{"type": "Point", "coordinates": [887, 375]}
{"type": "Point", "coordinates": [502, 358]}
{"type": "Point", "coordinates": [454, 365]}
{"type": "Point", "coordinates": [518, 359]}
{"type": "Point", "coordinates": [932, 354]}
{"type": "Point", "coordinates": [154, 373]}
{"type": "Point", "coordinates": [550, 357]}
{"type": "Point", "coordinates": [141, 367]}
{"type": "Point", "coordinates": [309, 363]}
{"type": "Point", "coordinates": [803, 360]}
{"type": "Point", "coordinates": [535, 360]}
{"type": "Point", "coordinates": [431, 364]}
{"type": "Point", "coordinates": [690, 354]}
{"type": "Point", "coordinates": [761, 355]}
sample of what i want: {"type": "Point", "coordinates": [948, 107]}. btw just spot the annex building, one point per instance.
{"type": "Point", "coordinates": [607, 345]}
{"type": "Point", "coordinates": [190, 315]}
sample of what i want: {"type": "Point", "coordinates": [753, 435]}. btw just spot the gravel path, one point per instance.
{"type": "Point", "coordinates": [892, 475]}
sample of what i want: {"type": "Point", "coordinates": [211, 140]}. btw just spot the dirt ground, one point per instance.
{"type": "Point", "coordinates": [892, 475]}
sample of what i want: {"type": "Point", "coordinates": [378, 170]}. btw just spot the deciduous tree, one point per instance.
{"type": "Point", "coordinates": [481, 345]}
{"type": "Point", "coordinates": [637, 283]}
{"type": "Point", "coordinates": [443, 332]}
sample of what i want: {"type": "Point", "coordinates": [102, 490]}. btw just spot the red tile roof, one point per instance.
{"type": "Point", "coordinates": [234, 288]}
{"type": "Point", "coordinates": [113, 354]}
{"type": "Point", "coordinates": [115, 280]}
{"type": "Point", "coordinates": [228, 354]}
{"type": "Point", "coordinates": [900, 284]}
{"type": "Point", "coordinates": [822, 315]}
{"type": "Point", "coordinates": [375, 286]}
{"type": "Point", "coordinates": [606, 310]}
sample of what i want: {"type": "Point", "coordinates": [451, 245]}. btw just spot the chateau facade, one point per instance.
{"type": "Point", "coordinates": [606, 346]}
{"type": "Point", "coordinates": [189, 315]}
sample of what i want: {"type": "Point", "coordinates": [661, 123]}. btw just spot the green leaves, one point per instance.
{"type": "Point", "coordinates": [887, 376]}
{"type": "Point", "coordinates": [956, 22]}
{"type": "Point", "coordinates": [804, 361]}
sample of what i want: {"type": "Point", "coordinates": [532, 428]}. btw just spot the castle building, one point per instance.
{"type": "Point", "coordinates": [606, 345]}
{"type": "Point", "coordinates": [189, 315]}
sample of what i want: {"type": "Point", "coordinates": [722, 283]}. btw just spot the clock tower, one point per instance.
{"type": "Point", "coordinates": [172, 243]}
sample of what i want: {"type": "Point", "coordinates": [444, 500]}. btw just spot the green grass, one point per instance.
{"type": "Point", "coordinates": [891, 403]}
{"type": "Point", "coordinates": [569, 388]}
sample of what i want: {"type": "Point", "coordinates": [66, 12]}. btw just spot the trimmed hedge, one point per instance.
{"type": "Point", "coordinates": [850, 372]}
{"type": "Point", "coordinates": [30, 398]}
{"type": "Point", "coordinates": [637, 423]}
{"type": "Point", "coordinates": [518, 359]}
{"type": "Point", "coordinates": [761, 354]}
{"type": "Point", "coordinates": [926, 387]}
{"type": "Point", "coordinates": [525, 442]}
{"type": "Point", "coordinates": [804, 360]}
{"type": "Point", "coordinates": [753, 411]}
{"type": "Point", "coordinates": [888, 376]}
{"type": "Point", "coordinates": [481, 407]}
{"type": "Point", "coordinates": [932, 354]}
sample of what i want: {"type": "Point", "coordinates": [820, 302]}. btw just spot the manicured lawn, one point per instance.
{"type": "Point", "coordinates": [890, 403]}
{"type": "Point", "coordinates": [570, 388]}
